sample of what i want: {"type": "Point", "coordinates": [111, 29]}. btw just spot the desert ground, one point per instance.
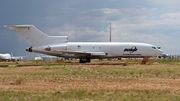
{"type": "Point", "coordinates": [100, 80]}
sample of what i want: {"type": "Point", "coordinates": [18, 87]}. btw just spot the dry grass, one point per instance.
{"type": "Point", "coordinates": [94, 79]}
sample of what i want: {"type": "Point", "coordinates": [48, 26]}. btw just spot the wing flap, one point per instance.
{"type": "Point", "coordinates": [71, 52]}
{"type": "Point", "coordinates": [97, 53]}
{"type": "Point", "coordinates": [83, 53]}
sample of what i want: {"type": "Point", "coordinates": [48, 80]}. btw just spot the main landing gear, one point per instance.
{"type": "Point", "coordinates": [84, 60]}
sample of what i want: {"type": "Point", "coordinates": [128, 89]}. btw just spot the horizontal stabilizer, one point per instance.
{"type": "Point", "coordinates": [18, 27]}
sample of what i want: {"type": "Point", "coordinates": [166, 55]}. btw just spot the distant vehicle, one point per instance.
{"type": "Point", "coordinates": [163, 55]}
{"type": "Point", "coordinates": [85, 51]}
{"type": "Point", "coordinates": [38, 58]}
{"type": "Point", "coordinates": [8, 57]}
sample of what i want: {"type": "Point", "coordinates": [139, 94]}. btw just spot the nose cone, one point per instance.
{"type": "Point", "coordinates": [159, 52]}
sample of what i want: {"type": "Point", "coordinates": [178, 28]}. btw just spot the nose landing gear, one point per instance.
{"type": "Point", "coordinates": [84, 60]}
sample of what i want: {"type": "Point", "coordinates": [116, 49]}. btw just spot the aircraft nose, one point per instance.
{"type": "Point", "coordinates": [160, 51]}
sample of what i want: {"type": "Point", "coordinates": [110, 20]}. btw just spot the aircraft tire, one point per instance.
{"type": "Point", "coordinates": [84, 60]}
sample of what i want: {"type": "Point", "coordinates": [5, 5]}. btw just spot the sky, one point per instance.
{"type": "Point", "coordinates": [155, 22]}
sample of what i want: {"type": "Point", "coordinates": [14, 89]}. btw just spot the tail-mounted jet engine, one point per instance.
{"type": "Point", "coordinates": [29, 49]}
{"type": "Point", "coordinates": [55, 47]}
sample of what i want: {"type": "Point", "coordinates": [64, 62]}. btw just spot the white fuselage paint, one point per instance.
{"type": "Point", "coordinates": [5, 57]}
{"type": "Point", "coordinates": [111, 49]}
{"type": "Point", "coordinates": [114, 49]}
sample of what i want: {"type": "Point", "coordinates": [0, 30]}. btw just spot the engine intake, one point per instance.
{"type": "Point", "coordinates": [29, 49]}
{"type": "Point", "coordinates": [55, 47]}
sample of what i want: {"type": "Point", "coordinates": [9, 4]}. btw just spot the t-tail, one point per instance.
{"type": "Point", "coordinates": [36, 37]}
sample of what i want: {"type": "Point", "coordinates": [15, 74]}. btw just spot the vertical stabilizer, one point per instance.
{"type": "Point", "coordinates": [35, 37]}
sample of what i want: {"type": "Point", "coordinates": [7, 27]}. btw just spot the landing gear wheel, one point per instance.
{"type": "Point", "coordinates": [84, 60]}
{"type": "Point", "coordinates": [88, 60]}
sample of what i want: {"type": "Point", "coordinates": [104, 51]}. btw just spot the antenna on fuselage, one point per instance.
{"type": "Point", "coordinates": [110, 32]}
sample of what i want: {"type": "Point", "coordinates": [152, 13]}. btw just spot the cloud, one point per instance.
{"type": "Point", "coordinates": [171, 16]}
{"type": "Point", "coordinates": [165, 2]}
{"type": "Point", "coordinates": [149, 3]}
{"type": "Point", "coordinates": [83, 34]}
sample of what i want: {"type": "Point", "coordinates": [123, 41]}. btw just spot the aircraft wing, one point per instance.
{"type": "Point", "coordinates": [64, 53]}
{"type": "Point", "coordinates": [82, 53]}
{"type": "Point", "coordinates": [19, 57]}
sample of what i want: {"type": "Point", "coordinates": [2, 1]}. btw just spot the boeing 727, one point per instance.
{"type": "Point", "coordinates": [85, 51]}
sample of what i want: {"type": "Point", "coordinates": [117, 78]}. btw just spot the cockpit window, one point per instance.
{"type": "Point", "coordinates": [154, 47]}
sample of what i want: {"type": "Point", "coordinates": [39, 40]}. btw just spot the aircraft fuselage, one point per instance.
{"type": "Point", "coordinates": [102, 49]}
{"type": "Point", "coordinates": [116, 49]}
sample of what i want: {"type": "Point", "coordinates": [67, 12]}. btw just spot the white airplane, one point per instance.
{"type": "Point", "coordinates": [8, 57]}
{"type": "Point", "coordinates": [5, 57]}
{"type": "Point", "coordinates": [42, 57]}
{"type": "Point", "coordinates": [38, 58]}
{"type": "Point", "coordinates": [85, 51]}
